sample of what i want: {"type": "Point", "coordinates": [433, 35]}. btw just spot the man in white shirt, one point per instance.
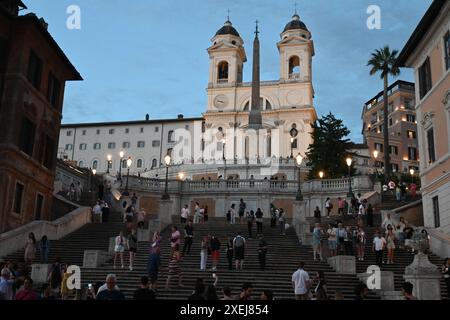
{"type": "Point", "coordinates": [97, 211]}
{"type": "Point", "coordinates": [378, 246]}
{"type": "Point", "coordinates": [300, 282]}
{"type": "Point", "coordinates": [184, 214]}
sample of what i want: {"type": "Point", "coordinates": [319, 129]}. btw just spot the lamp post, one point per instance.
{"type": "Point", "coordinates": [167, 160]}
{"type": "Point", "coordinates": [349, 164]}
{"type": "Point", "coordinates": [109, 157]}
{"type": "Point", "coordinates": [223, 158]}
{"type": "Point", "coordinates": [292, 143]}
{"type": "Point", "coordinates": [129, 162]}
{"type": "Point", "coordinates": [320, 174]}
{"type": "Point", "coordinates": [375, 156]}
{"type": "Point", "coordinates": [121, 154]}
{"type": "Point", "coordinates": [93, 173]}
{"type": "Point", "coordinates": [181, 176]}
{"type": "Point", "coordinates": [299, 160]}
{"type": "Point", "coordinates": [411, 172]}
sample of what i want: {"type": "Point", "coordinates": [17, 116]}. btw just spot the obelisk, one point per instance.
{"type": "Point", "coordinates": [254, 118]}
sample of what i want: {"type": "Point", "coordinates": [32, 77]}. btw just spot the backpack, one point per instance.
{"type": "Point", "coordinates": [238, 241]}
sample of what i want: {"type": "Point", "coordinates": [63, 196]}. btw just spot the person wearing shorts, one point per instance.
{"type": "Point", "coordinates": [132, 247]}
{"type": "Point", "coordinates": [239, 250]}
{"type": "Point", "coordinates": [119, 248]}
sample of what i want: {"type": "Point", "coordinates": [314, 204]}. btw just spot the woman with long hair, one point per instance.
{"type": "Point", "coordinates": [132, 242]}
{"type": "Point", "coordinates": [30, 248]}
{"type": "Point", "coordinates": [44, 247]}
{"type": "Point", "coordinates": [360, 243]}
{"type": "Point", "coordinates": [119, 248]}
{"type": "Point", "coordinates": [390, 239]}
{"type": "Point", "coordinates": [174, 267]}
{"type": "Point", "coordinates": [204, 253]}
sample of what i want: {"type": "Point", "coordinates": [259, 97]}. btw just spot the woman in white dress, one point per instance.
{"type": "Point", "coordinates": [119, 248]}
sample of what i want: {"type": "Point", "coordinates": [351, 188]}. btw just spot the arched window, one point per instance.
{"type": "Point", "coordinates": [94, 164]}
{"type": "Point", "coordinates": [268, 105]}
{"type": "Point", "coordinates": [263, 103]}
{"type": "Point", "coordinates": [222, 72]}
{"type": "Point", "coordinates": [154, 163]}
{"type": "Point", "coordinates": [247, 106]}
{"type": "Point", "coordinates": [81, 164]}
{"type": "Point", "coordinates": [139, 163]}
{"type": "Point", "coordinates": [294, 67]}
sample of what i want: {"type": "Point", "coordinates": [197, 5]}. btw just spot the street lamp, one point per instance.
{"type": "Point", "coordinates": [349, 164]}
{"type": "Point", "coordinates": [167, 160]}
{"type": "Point", "coordinates": [321, 174]}
{"type": "Point", "coordinates": [129, 162]}
{"type": "Point", "coordinates": [292, 143]}
{"type": "Point", "coordinates": [121, 154]}
{"type": "Point", "coordinates": [411, 172]}
{"type": "Point", "coordinates": [109, 157]}
{"type": "Point", "coordinates": [181, 176]}
{"type": "Point", "coordinates": [93, 173]}
{"type": "Point", "coordinates": [299, 160]}
{"type": "Point", "coordinates": [223, 158]}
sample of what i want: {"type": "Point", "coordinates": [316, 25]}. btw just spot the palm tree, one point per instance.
{"type": "Point", "coordinates": [383, 61]}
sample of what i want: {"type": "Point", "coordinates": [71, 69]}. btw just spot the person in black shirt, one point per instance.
{"type": "Point", "coordinates": [188, 236]}
{"type": "Point", "coordinates": [259, 221]}
{"type": "Point", "coordinates": [262, 251]}
{"type": "Point", "coordinates": [230, 252]}
{"type": "Point", "coordinates": [361, 291]}
{"type": "Point", "coordinates": [215, 252]}
{"type": "Point", "coordinates": [250, 219]}
{"type": "Point", "coordinates": [144, 292]}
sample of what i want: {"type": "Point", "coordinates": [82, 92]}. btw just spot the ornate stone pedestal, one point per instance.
{"type": "Point", "coordinates": [39, 272]}
{"type": "Point", "coordinates": [425, 278]}
{"type": "Point", "coordinates": [302, 228]}
{"type": "Point", "coordinates": [343, 264]}
{"type": "Point", "coordinates": [165, 211]}
{"type": "Point", "coordinates": [94, 258]}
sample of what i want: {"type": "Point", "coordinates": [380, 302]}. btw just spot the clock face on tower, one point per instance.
{"type": "Point", "coordinates": [221, 101]}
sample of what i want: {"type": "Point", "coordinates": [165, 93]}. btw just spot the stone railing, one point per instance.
{"type": "Point", "coordinates": [14, 240]}
{"type": "Point", "coordinates": [360, 183]}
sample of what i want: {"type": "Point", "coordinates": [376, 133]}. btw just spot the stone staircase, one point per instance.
{"type": "Point", "coordinates": [402, 258]}
{"type": "Point", "coordinates": [390, 202]}
{"type": "Point", "coordinates": [282, 259]}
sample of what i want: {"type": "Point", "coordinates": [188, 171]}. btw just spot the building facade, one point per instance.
{"type": "Point", "coordinates": [428, 53]}
{"type": "Point", "coordinates": [33, 72]}
{"type": "Point", "coordinates": [221, 137]}
{"type": "Point", "coordinates": [403, 147]}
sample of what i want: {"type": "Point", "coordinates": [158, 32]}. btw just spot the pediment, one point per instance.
{"type": "Point", "coordinates": [223, 45]}
{"type": "Point", "coordinates": [293, 40]}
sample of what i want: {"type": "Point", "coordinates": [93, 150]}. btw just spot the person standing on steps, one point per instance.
{"type": "Point", "coordinates": [332, 239]}
{"type": "Point", "coordinates": [259, 221]}
{"type": "Point", "coordinates": [348, 241]}
{"type": "Point", "coordinates": [300, 282]}
{"type": "Point", "coordinates": [205, 214]}
{"type": "Point", "coordinates": [183, 215]}
{"type": "Point", "coordinates": [369, 221]}
{"type": "Point", "coordinates": [215, 252]}
{"type": "Point", "coordinates": [30, 249]}
{"type": "Point", "coordinates": [445, 270]}
{"type": "Point", "coordinates": [203, 253]}
{"type": "Point", "coordinates": [154, 260]}
{"type": "Point", "coordinates": [55, 277]}
{"type": "Point", "coordinates": [341, 205]}
{"type": "Point", "coordinates": [317, 215]}
{"type": "Point", "coordinates": [262, 252]}
{"type": "Point", "coordinates": [141, 219]}
{"type": "Point", "coordinates": [341, 234]}
{"type": "Point", "coordinates": [378, 247]}
{"type": "Point", "coordinates": [273, 216]}
{"type": "Point", "coordinates": [230, 252]}
{"type": "Point", "coordinates": [119, 248]}
{"type": "Point", "coordinates": [44, 248]}
{"type": "Point", "coordinates": [233, 214]}
{"type": "Point", "coordinates": [328, 206]}
{"type": "Point", "coordinates": [174, 238]}
{"type": "Point", "coordinates": [282, 222]}
{"type": "Point", "coordinates": [197, 214]}
{"type": "Point", "coordinates": [390, 240]}
{"type": "Point", "coordinates": [239, 251]}
{"type": "Point", "coordinates": [320, 286]}
{"type": "Point", "coordinates": [132, 247]}
{"type": "Point", "coordinates": [188, 237]}
{"type": "Point", "coordinates": [250, 218]}
{"type": "Point", "coordinates": [317, 241]}
{"type": "Point", "coordinates": [242, 207]}
{"type": "Point", "coordinates": [174, 267]}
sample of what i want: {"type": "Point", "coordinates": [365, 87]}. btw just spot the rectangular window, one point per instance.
{"type": "Point", "coordinates": [83, 133]}
{"type": "Point", "coordinates": [390, 121]}
{"type": "Point", "coordinates": [394, 167]}
{"type": "Point", "coordinates": [447, 50]}
{"type": "Point", "coordinates": [412, 153]}
{"type": "Point", "coordinates": [430, 146]}
{"type": "Point", "coordinates": [69, 133]}
{"type": "Point", "coordinates": [411, 118]}
{"type": "Point", "coordinates": [170, 136]}
{"type": "Point", "coordinates": [98, 131]}
{"type": "Point", "coordinates": [186, 127]}
{"type": "Point", "coordinates": [18, 197]}
{"type": "Point", "coordinates": [379, 164]}
{"type": "Point", "coordinates": [379, 147]}
{"type": "Point", "coordinates": [34, 74]}
{"type": "Point", "coordinates": [111, 145]}
{"type": "Point", "coordinates": [83, 146]}
{"type": "Point", "coordinates": [68, 147]}
{"type": "Point", "coordinates": [393, 150]}
{"type": "Point", "coordinates": [156, 129]}
{"type": "Point", "coordinates": [390, 108]}
{"type": "Point", "coordinates": [142, 130]}
{"type": "Point", "coordinates": [39, 205]}
{"type": "Point", "coordinates": [155, 143]}
{"type": "Point", "coordinates": [53, 90]}
{"type": "Point", "coordinates": [141, 144]}
{"type": "Point", "coordinates": [27, 136]}
{"type": "Point", "coordinates": [411, 134]}
{"type": "Point", "coordinates": [97, 146]}
{"type": "Point", "coordinates": [125, 145]}
{"type": "Point", "coordinates": [437, 218]}
{"type": "Point", "coordinates": [111, 131]}
{"type": "Point", "coordinates": [127, 130]}
{"type": "Point", "coordinates": [425, 78]}
{"type": "Point", "coordinates": [49, 155]}
{"type": "Point", "coordinates": [409, 104]}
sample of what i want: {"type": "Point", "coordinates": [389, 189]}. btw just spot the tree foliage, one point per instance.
{"type": "Point", "coordinates": [330, 148]}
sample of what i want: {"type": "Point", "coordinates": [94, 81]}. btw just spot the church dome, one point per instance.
{"type": "Point", "coordinates": [228, 29]}
{"type": "Point", "coordinates": [295, 24]}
